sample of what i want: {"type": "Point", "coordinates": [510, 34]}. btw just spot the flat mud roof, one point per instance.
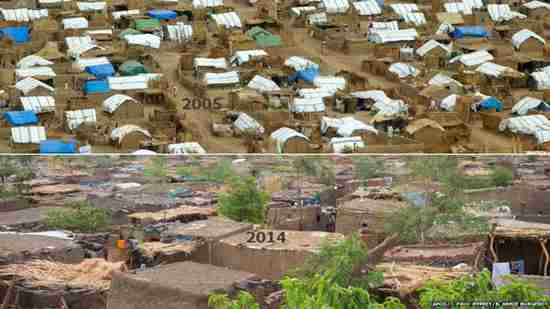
{"type": "Point", "coordinates": [213, 228]}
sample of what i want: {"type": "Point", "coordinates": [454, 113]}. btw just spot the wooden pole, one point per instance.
{"type": "Point", "coordinates": [7, 297]}
{"type": "Point", "coordinates": [492, 248]}
{"type": "Point", "coordinates": [547, 256]}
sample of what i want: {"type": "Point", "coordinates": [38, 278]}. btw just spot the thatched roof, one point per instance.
{"type": "Point", "coordinates": [50, 52]}
{"type": "Point", "coordinates": [521, 229]}
{"type": "Point", "coordinates": [422, 123]}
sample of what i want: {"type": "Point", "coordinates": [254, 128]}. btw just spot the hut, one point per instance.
{"type": "Point", "coordinates": [455, 128]}
{"type": "Point", "coordinates": [536, 9]}
{"type": "Point", "coordinates": [434, 54]}
{"type": "Point", "coordinates": [430, 133]}
{"type": "Point", "coordinates": [132, 67]}
{"type": "Point", "coordinates": [120, 106]}
{"type": "Point", "coordinates": [533, 131]}
{"type": "Point", "coordinates": [529, 42]}
{"type": "Point", "coordinates": [290, 141]}
{"type": "Point", "coordinates": [129, 137]}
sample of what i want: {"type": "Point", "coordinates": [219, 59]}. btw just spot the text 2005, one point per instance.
{"type": "Point", "coordinates": [202, 103]}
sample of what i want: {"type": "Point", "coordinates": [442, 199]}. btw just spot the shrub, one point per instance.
{"type": "Point", "coordinates": [502, 176]}
{"type": "Point", "coordinates": [79, 217]}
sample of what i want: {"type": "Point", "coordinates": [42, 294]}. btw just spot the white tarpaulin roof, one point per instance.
{"type": "Point", "coordinates": [441, 79]}
{"type": "Point", "coordinates": [367, 8]}
{"type": "Point", "coordinates": [336, 6]}
{"type": "Point", "coordinates": [261, 83]}
{"type": "Point", "coordinates": [542, 78]}
{"type": "Point", "coordinates": [345, 126]}
{"type": "Point", "coordinates": [449, 102]}
{"type": "Point", "coordinates": [35, 71]}
{"type": "Point", "coordinates": [32, 61]}
{"type": "Point", "coordinates": [29, 84]}
{"type": "Point", "coordinates": [417, 18]}
{"type": "Point", "coordinates": [180, 32]}
{"type": "Point", "coordinates": [186, 148]}
{"type": "Point", "coordinates": [340, 144]}
{"type": "Point", "coordinates": [75, 23]}
{"type": "Point", "coordinates": [281, 135]}
{"type": "Point", "coordinates": [147, 39]}
{"type": "Point", "coordinates": [245, 123]}
{"type": "Point", "coordinates": [243, 56]}
{"type": "Point", "coordinates": [23, 15]}
{"type": "Point", "coordinates": [493, 69]}
{"type": "Point", "coordinates": [386, 36]}
{"type": "Point", "coordinates": [388, 25]}
{"type": "Point", "coordinates": [119, 133]}
{"type": "Point", "coordinates": [38, 104]}
{"type": "Point", "coordinates": [298, 11]}
{"type": "Point", "coordinates": [28, 135]}
{"type": "Point", "coordinates": [403, 8]}
{"type": "Point", "coordinates": [472, 59]}
{"type": "Point", "coordinates": [502, 12]}
{"type": "Point", "coordinates": [521, 36]}
{"type": "Point", "coordinates": [112, 103]}
{"type": "Point", "coordinates": [316, 92]}
{"type": "Point", "coordinates": [444, 28]}
{"type": "Point", "coordinates": [99, 32]}
{"type": "Point", "coordinates": [220, 63]}
{"type": "Point", "coordinates": [317, 18]}
{"type": "Point", "coordinates": [476, 4]}
{"type": "Point", "coordinates": [226, 78]}
{"type": "Point", "coordinates": [390, 108]}
{"type": "Point", "coordinates": [524, 105]}
{"type": "Point", "coordinates": [458, 7]}
{"type": "Point", "coordinates": [403, 69]}
{"type": "Point", "coordinates": [52, 1]}
{"type": "Point", "coordinates": [330, 82]}
{"type": "Point", "coordinates": [83, 63]}
{"type": "Point", "coordinates": [428, 46]}
{"type": "Point", "coordinates": [300, 63]}
{"type": "Point", "coordinates": [91, 6]}
{"type": "Point", "coordinates": [307, 105]}
{"type": "Point", "coordinates": [78, 117]}
{"type": "Point", "coordinates": [228, 20]}
{"type": "Point", "coordinates": [532, 5]}
{"type": "Point", "coordinates": [135, 82]}
{"type": "Point", "coordinates": [119, 14]}
{"type": "Point", "coordinates": [537, 125]}
{"type": "Point", "coordinates": [77, 45]}
{"type": "Point", "coordinates": [375, 95]}
{"type": "Point", "coordinates": [207, 3]}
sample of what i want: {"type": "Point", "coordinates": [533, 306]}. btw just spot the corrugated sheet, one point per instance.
{"type": "Point", "coordinates": [29, 84]}
{"type": "Point", "coordinates": [519, 37]}
{"type": "Point", "coordinates": [23, 15]}
{"type": "Point", "coordinates": [135, 82]}
{"type": "Point", "coordinates": [341, 144]}
{"type": "Point", "coordinates": [307, 105]}
{"type": "Point", "coordinates": [458, 7]}
{"type": "Point", "coordinates": [281, 135]}
{"type": "Point", "coordinates": [403, 69]}
{"type": "Point", "coordinates": [147, 39]}
{"type": "Point", "coordinates": [227, 78]}
{"type": "Point", "coordinates": [263, 84]}
{"type": "Point", "coordinates": [32, 61]}
{"type": "Point", "coordinates": [179, 32]}
{"type": "Point", "coordinates": [245, 123]}
{"type": "Point", "coordinates": [76, 118]}
{"type": "Point", "coordinates": [300, 63]}
{"type": "Point", "coordinates": [402, 9]}
{"type": "Point", "coordinates": [335, 6]}
{"type": "Point", "coordinates": [119, 14]}
{"type": "Point", "coordinates": [112, 103]}
{"type": "Point", "coordinates": [330, 82]}
{"type": "Point", "coordinates": [186, 148]}
{"type": "Point", "coordinates": [523, 106]}
{"type": "Point", "coordinates": [207, 3]}
{"type": "Point", "coordinates": [367, 8]}
{"type": "Point", "coordinates": [428, 46]}
{"type": "Point", "coordinates": [416, 18]}
{"type": "Point", "coordinates": [502, 12]}
{"type": "Point", "coordinates": [91, 6]}
{"type": "Point", "coordinates": [387, 36]}
{"type": "Point", "coordinates": [472, 59]}
{"type": "Point", "coordinates": [38, 105]}
{"type": "Point", "coordinates": [35, 71]}
{"type": "Point", "coordinates": [536, 125]}
{"type": "Point", "coordinates": [28, 135]}
{"type": "Point", "coordinates": [228, 20]}
{"type": "Point", "coordinates": [220, 63]}
{"type": "Point", "coordinates": [119, 133]}
{"type": "Point", "coordinates": [75, 23]}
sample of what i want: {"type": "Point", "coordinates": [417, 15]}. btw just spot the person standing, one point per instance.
{"type": "Point", "coordinates": [363, 232]}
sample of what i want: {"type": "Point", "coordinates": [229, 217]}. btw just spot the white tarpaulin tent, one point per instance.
{"type": "Point", "coordinates": [335, 6]}
{"type": "Point", "coordinates": [29, 84]}
{"type": "Point", "coordinates": [416, 18]}
{"type": "Point", "coordinates": [136, 82]}
{"type": "Point", "coordinates": [542, 78]}
{"type": "Point", "coordinates": [228, 20]}
{"type": "Point", "coordinates": [431, 44]}
{"type": "Point", "coordinates": [28, 135]}
{"type": "Point", "coordinates": [345, 126]}
{"type": "Point", "coordinates": [77, 45]}
{"type": "Point", "coordinates": [367, 8]}
{"type": "Point", "coordinates": [458, 7]}
{"type": "Point", "coordinates": [533, 5]}
{"type": "Point", "coordinates": [389, 109]}
{"type": "Point", "coordinates": [186, 148]}
{"type": "Point", "coordinates": [23, 15]}
{"type": "Point", "coordinates": [38, 105]}
{"type": "Point", "coordinates": [83, 63]}
{"type": "Point", "coordinates": [32, 61]}
{"type": "Point", "coordinates": [523, 106]}
{"type": "Point", "coordinates": [473, 59]}
{"type": "Point", "coordinates": [243, 56]}
{"type": "Point", "coordinates": [388, 25]}
{"type": "Point", "coordinates": [403, 9]}
{"type": "Point", "coordinates": [281, 135]}
{"type": "Point", "coordinates": [75, 23]}
{"type": "Point", "coordinates": [502, 12]}
{"type": "Point", "coordinates": [300, 63]}
{"type": "Point", "coordinates": [403, 70]}
{"type": "Point", "coordinates": [227, 78]}
{"type": "Point", "coordinates": [449, 102]}
{"type": "Point", "coordinates": [307, 105]}
{"type": "Point", "coordinates": [316, 92]}
{"type": "Point", "coordinates": [91, 6]}
{"type": "Point", "coordinates": [343, 144]}
{"type": "Point", "coordinates": [521, 36]}
{"type": "Point", "coordinates": [179, 32]}
{"type": "Point", "coordinates": [35, 71]}
{"type": "Point", "coordinates": [330, 82]}
{"type": "Point", "coordinates": [536, 125]}
{"type": "Point", "coordinates": [207, 3]}
{"type": "Point", "coordinates": [219, 63]}
{"type": "Point", "coordinates": [78, 117]}
{"type": "Point", "coordinates": [262, 84]}
{"type": "Point", "coordinates": [441, 79]}
{"type": "Point", "coordinates": [245, 123]}
{"type": "Point", "coordinates": [120, 14]}
{"type": "Point", "coordinates": [387, 36]}
{"type": "Point", "coordinates": [317, 18]}
{"type": "Point", "coordinates": [493, 69]}
{"type": "Point", "coordinates": [112, 103]}
{"type": "Point", "coordinates": [119, 133]}
{"type": "Point", "coordinates": [147, 40]}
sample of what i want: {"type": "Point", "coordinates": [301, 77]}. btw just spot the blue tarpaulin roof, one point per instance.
{"type": "Point", "coordinates": [57, 146]}
{"type": "Point", "coordinates": [17, 34]}
{"type": "Point", "coordinates": [101, 71]}
{"type": "Point", "coordinates": [307, 75]}
{"type": "Point", "coordinates": [96, 86]}
{"type": "Point", "coordinates": [472, 31]}
{"type": "Point", "coordinates": [162, 14]}
{"type": "Point", "coordinates": [417, 199]}
{"type": "Point", "coordinates": [491, 103]}
{"type": "Point", "coordinates": [20, 118]}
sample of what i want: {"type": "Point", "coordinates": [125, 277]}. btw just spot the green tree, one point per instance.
{"type": "Point", "coordinates": [368, 167]}
{"type": "Point", "coordinates": [22, 174]}
{"type": "Point", "coordinates": [222, 171]}
{"type": "Point", "coordinates": [502, 176]}
{"type": "Point", "coordinates": [244, 201]}
{"type": "Point", "coordinates": [7, 168]}
{"type": "Point", "coordinates": [157, 167]}
{"type": "Point", "coordinates": [78, 217]}
{"type": "Point", "coordinates": [244, 301]}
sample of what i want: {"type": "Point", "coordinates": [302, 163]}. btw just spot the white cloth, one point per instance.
{"type": "Point", "coordinates": [499, 270]}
